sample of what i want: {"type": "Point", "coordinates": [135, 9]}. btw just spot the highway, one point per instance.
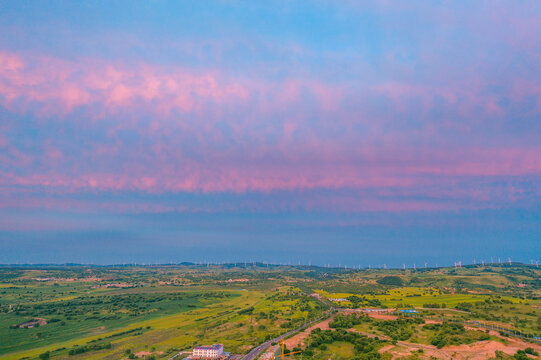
{"type": "Point", "coordinates": [257, 350]}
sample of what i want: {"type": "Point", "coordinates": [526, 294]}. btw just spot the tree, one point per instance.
{"type": "Point", "coordinates": [391, 280]}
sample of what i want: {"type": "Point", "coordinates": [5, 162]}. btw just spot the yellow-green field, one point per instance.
{"type": "Point", "coordinates": [338, 351]}
{"type": "Point", "coordinates": [271, 312]}
{"type": "Point", "coordinates": [164, 332]}
{"type": "Point", "coordinates": [416, 297]}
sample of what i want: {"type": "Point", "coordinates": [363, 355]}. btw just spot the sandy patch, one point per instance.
{"type": "Point", "coordinates": [299, 338]}
{"type": "Point", "coordinates": [478, 351]}
{"type": "Point", "coordinates": [383, 316]}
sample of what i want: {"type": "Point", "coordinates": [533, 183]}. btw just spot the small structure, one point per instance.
{"type": "Point", "coordinates": [208, 352]}
{"type": "Point", "coordinates": [375, 310]}
{"type": "Point", "coordinates": [409, 312]}
{"type": "Point", "coordinates": [338, 299]}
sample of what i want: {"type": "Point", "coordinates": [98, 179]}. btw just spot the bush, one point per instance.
{"type": "Point", "coordinates": [308, 352]}
{"type": "Point", "coordinates": [400, 329]}
{"type": "Point", "coordinates": [45, 355]}
{"type": "Point", "coordinates": [82, 349]}
{"type": "Point", "coordinates": [464, 306]}
{"type": "Point", "coordinates": [246, 311]}
{"type": "Point", "coordinates": [391, 280]}
{"type": "Point", "coordinates": [521, 355]}
{"type": "Point", "coordinates": [454, 334]}
{"type": "Point", "coordinates": [346, 322]}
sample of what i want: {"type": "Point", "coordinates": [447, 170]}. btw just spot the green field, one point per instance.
{"type": "Point", "coordinates": [111, 312]}
{"type": "Point", "coordinates": [417, 297]}
{"type": "Point", "coordinates": [155, 315]}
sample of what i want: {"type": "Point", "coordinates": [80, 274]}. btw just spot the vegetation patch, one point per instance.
{"type": "Point", "coordinates": [453, 334]}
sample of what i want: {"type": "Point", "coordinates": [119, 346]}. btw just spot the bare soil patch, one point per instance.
{"type": "Point", "coordinates": [299, 338]}
{"type": "Point", "coordinates": [478, 351]}
{"type": "Point", "coordinates": [383, 316]}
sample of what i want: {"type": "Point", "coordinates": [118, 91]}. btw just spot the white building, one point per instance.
{"type": "Point", "coordinates": [213, 351]}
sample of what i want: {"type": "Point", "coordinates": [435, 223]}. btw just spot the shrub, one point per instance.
{"type": "Point", "coordinates": [346, 322]}
{"type": "Point", "coordinates": [521, 355]}
{"type": "Point", "coordinates": [308, 352]}
{"type": "Point", "coordinates": [246, 311]}
{"type": "Point", "coordinates": [464, 306]}
{"type": "Point", "coordinates": [391, 280]}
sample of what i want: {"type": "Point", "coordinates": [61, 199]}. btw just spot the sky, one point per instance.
{"type": "Point", "coordinates": [322, 132]}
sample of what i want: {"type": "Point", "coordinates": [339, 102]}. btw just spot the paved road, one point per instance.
{"type": "Point", "coordinates": [256, 351]}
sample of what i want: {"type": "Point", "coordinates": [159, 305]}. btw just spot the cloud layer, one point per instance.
{"type": "Point", "coordinates": [135, 127]}
{"type": "Point", "coordinates": [382, 111]}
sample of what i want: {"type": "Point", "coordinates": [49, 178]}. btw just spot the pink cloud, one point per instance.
{"type": "Point", "coordinates": [53, 86]}
{"type": "Point", "coordinates": [166, 172]}
{"type": "Point", "coordinates": [279, 142]}
{"type": "Point", "coordinates": [62, 86]}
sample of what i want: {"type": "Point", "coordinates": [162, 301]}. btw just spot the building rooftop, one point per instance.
{"type": "Point", "coordinates": [210, 347]}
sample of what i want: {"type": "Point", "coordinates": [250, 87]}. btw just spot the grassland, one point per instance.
{"type": "Point", "coordinates": [109, 312]}
{"type": "Point", "coordinates": [339, 350]}
{"type": "Point", "coordinates": [153, 314]}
